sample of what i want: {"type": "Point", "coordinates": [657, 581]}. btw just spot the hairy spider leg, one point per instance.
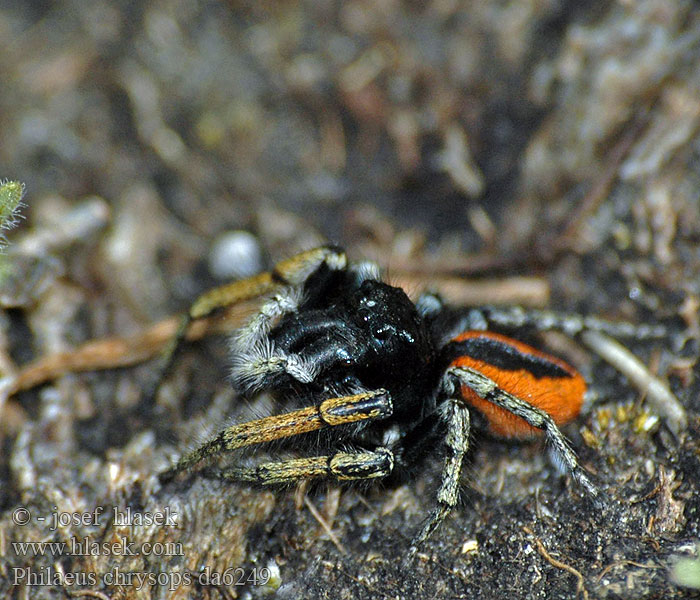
{"type": "Point", "coordinates": [519, 390]}
{"type": "Point", "coordinates": [456, 417]}
{"type": "Point", "coordinates": [342, 466]}
{"type": "Point", "coordinates": [256, 365]}
{"type": "Point", "coordinates": [343, 410]}
{"type": "Point", "coordinates": [256, 358]}
{"type": "Point", "coordinates": [487, 389]}
{"type": "Point", "coordinates": [292, 272]}
{"type": "Point", "coordinates": [517, 317]}
{"type": "Point", "coordinates": [494, 374]}
{"type": "Point", "coordinates": [540, 379]}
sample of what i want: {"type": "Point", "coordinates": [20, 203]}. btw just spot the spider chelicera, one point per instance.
{"type": "Point", "coordinates": [376, 383]}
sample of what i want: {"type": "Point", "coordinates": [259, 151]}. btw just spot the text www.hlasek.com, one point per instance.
{"type": "Point", "coordinates": [89, 547]}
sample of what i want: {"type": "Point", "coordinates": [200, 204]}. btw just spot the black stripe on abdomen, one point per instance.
{"type": "Point", "coordinates": [504, 356]}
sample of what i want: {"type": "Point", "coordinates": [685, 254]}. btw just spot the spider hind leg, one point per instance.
{"type": "Point", "coordinates": [456, 416]}
{"type": "Point", "coordinates": [487, 389]}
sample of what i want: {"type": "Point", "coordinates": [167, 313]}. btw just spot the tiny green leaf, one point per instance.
{"type": "Point", "coordinates": [11, 193]}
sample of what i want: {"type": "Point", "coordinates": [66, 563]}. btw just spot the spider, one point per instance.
{"type": "Point", "coordinates": [377, 382]}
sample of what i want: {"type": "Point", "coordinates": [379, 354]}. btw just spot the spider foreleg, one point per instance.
{"type": "Point", "coordinates": [329, 413]}
{"type": "Point", "coordinates": [293, 271]}
{"type": "Point", "coordinates": [257, 329]}
{"type": "Point", "coordinates": [342, 466]}
{"type": "Point", "coordinates": [254, 366]}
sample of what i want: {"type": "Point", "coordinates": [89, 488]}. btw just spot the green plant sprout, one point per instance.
{"type": "Point", "coordinates": [11, 194]}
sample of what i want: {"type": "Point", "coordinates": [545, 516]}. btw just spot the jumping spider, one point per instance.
{"type": "Point", "coordinates": [380, 382]}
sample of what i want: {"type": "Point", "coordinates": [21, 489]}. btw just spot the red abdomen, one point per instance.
{"type": "Point", "coordinates": [538, 378]}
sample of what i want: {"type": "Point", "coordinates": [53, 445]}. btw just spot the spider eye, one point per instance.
{"type": "Point", "coordinates": [382, 333]}
{"type": "Point", "coordinates": [364, 314]}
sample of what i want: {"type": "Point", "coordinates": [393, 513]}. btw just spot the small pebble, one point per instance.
{"type": "Point", "coordinates": [235, 255]}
